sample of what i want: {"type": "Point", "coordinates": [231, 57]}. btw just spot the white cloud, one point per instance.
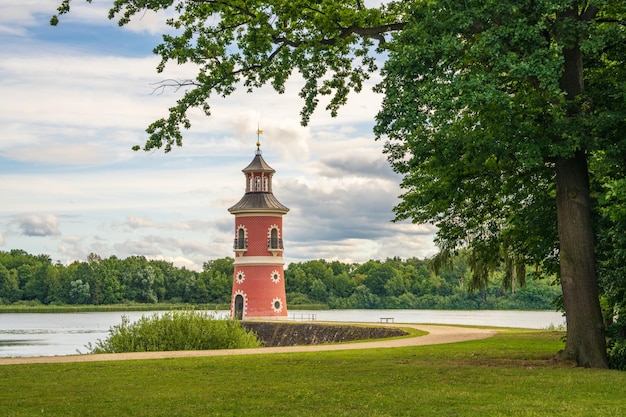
{"type": "Point", "coordinates": [181, 262]}
{"type": "Point", "coordinates": [21, 13]}
{"type": "Point", "coordinates": [138, 222]}
{"type": "Point", "coordinates": [39, 225]}
{"type": "Point", "coordinates": [73, 248]}
{"type": "Point", "coordinates": [181, 252]}
{"type": "Point", "coordinates": [280, 136]}
{"type": "Point", "coordinates": [1, 240]}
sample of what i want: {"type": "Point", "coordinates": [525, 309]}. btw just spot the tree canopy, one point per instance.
{"type": "Point", "coordinates": [501, 115]}
{"type": "Point", "coordinates": [393, 283]}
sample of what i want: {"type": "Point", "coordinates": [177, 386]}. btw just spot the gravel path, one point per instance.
{"type": "Point", "coordinates": [436, 335]}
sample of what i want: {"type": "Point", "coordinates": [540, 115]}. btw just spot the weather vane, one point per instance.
{"type": "Point", "coordinates": [259, 132]}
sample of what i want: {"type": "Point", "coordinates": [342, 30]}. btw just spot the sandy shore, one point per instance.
{"type": "Point", "coordinates": [436, 335]}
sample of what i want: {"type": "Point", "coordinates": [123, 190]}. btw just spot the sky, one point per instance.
{"type": "Point", "coordinates": [75, 98]}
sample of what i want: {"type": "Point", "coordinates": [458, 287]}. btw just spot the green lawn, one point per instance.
{"type": "Point", "coordinates": [512, 374]}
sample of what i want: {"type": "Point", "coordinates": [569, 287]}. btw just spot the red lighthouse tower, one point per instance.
{"type": "Point", "coordinates": [258, 283]}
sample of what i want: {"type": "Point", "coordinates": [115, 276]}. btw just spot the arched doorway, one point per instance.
{"type": "Point", "coordinates": [238, 313]}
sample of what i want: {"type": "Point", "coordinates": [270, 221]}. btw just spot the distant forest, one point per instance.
{"type": "Point", "coordinates": [27, 279]}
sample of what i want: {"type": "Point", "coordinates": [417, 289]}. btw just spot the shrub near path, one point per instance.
{"type": "Point", "coordinates": [175, 330]}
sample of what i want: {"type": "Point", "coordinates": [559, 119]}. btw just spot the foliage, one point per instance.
{"type": "Point", "coordinates": [412, 283]}
{"type": "Point", "coordinates": [392, 283]}
{"type": "Point", "coordinates": [617, 354]}
{"type": "Point", "coordinates": [26, 277]}
{"type": "Point", "coordinates": [611, 241]}
{"type": "Point", "coordinates": [511, 374]}
{"type": "Point", "coordinates": [175, 330]}
{"type": "Point", "coordinates": [492, 111]}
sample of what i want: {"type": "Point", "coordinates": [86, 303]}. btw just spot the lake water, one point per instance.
{"type": "Point", "coordinates": [51, 334]}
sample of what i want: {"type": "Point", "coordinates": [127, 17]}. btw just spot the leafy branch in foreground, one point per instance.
{"type": "Point", "coordinates": [248, 44]}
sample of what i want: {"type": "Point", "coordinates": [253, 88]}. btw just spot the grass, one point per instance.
{"type": "Point", "coordinates": [511, 374]}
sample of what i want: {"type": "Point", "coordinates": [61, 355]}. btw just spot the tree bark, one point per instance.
{"type": "Point", "coordinates": [586, 342]}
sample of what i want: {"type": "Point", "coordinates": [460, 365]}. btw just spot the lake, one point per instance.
{"type": "Point", "coordinates": [59, 334]}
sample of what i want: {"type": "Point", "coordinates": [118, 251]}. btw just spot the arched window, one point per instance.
{"type": "Point", "coordinates": [274, 241]}
{"type": "Point", "coordinates": [258, 184]}
{"type": "Point", "coordinates": [241, 239]}
{"type": "Point", "coordinates": [265, 184]}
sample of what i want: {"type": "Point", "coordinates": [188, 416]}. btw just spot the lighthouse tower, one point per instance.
{"type": "Point", "coordinates": [258, 282]}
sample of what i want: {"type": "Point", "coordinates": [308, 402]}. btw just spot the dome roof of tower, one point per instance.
{"type": "Point", "coordinates": [258, 164]}
{"type": "Point", "coordinates": [256, 201]}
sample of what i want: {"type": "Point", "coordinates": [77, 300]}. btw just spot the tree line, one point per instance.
{"type": "Point", "coordinates": [392, 283]}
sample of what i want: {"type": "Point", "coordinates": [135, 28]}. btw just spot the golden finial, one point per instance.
{"type": "Point", "coordinates": [259, 132]}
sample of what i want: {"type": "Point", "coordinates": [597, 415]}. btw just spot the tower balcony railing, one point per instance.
{"type": "Point", "coordinates": [274, 244]}
{"type": "Point", "coordinates": [240, 245]}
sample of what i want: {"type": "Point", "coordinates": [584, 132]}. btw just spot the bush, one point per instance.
{"type": "Point", "coordinates": [617, 354]}
{"type": "Point", "coordinates": [175, 330]}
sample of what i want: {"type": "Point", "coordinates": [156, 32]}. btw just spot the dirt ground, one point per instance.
{"type": "Point", "coordinates": [436, 335]}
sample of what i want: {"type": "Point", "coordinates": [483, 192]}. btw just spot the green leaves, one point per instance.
{"type": "Point", "coordinates": [248, 44]}
{"type": "Point", "coordinates": [474, 115]}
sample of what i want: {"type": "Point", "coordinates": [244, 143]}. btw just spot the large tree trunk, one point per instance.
{"type": "Point", "coordinates": [586, 343]}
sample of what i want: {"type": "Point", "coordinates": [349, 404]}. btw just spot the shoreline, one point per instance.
{"type": "Point", "coordinates": [437, 334]}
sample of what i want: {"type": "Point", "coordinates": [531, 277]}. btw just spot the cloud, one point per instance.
{"type": "Point", "coordinates": [135, 222]}
{"type": "Point", "coordinates": [358, 164]}
{"type": "Point", "coordinates": [39, 225]}
{"type": "Point", "coordinates": [73, 247]}
{"type": "Point", "coordinates": [17, 15]}
{"type": "Point", "coordinates": [1, 240]}
{"type": "Point", "coordinates": [350, 209]}
{"type": "Point", "coordinates": [70, 153]}
{"type": "Point", "coordinates": [194, 253]}
{"type": "Point", "coordinates": [282, 136]}
{"type": "Point", "coordinates": [77, 97]}
{"type": "Point", "coordinates": [186, 246]}
{"type": "Point", "coordinates": [349, 219]}
{"type": "Point", "coordinates": [139, 222]}
{"type": "Point", "coordinates": [181, 262]}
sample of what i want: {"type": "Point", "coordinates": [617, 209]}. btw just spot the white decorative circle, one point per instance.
{"type": "Point", "coordinates": [240, 277]}
{"type": "Point", "coordinates": [277, 305]}
{"type": "Point", "coordinates": [275, 276]}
